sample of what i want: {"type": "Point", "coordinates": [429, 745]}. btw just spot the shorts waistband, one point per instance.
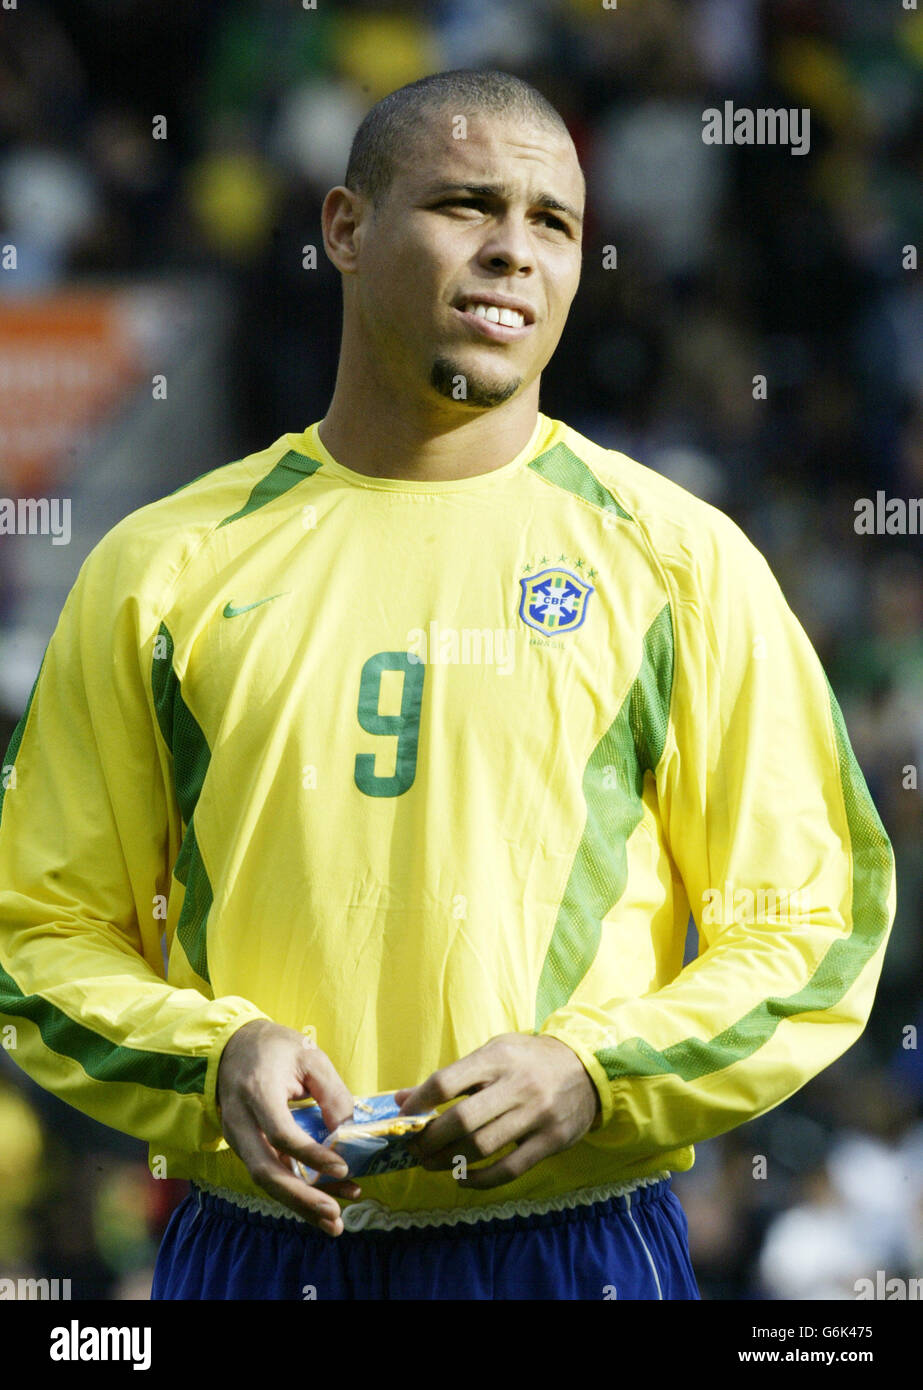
{"type": "Point", "coordinates": [369, 1215]}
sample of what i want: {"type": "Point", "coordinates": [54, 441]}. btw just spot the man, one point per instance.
{"type": "Point", "coordinates": [417, 735]}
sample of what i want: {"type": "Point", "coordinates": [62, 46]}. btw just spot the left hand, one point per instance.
{"type": "Point", "coordinates": [523, 1089]}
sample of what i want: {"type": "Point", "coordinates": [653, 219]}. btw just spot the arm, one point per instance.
{"type": "Point", "coordinates": [758, 791]}
{"type": "Point", "coordinates": [90, 832]}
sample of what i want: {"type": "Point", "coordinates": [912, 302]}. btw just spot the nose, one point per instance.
{"type": "Point", "coordinates": [507, 249]}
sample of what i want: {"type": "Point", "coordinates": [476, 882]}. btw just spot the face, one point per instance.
{"type": "Point", "coordinates": [472, 231]}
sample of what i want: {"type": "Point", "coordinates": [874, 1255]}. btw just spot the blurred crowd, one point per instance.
{"type": "Point", "coordinates": [733, 264]}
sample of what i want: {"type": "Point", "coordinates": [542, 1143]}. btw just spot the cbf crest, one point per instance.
{"type": "Point", "coordinates": [554, 601]}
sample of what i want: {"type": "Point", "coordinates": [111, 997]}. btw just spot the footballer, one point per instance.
{"type": "Point", "coordinates": [261, 850]}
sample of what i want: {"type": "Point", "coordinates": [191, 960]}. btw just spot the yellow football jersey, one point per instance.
{"type": "Point", "coordinates": [414, 764]}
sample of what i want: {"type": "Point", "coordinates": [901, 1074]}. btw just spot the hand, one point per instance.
{"type": "Point", "coordinates": [263, 1067]}
{"type": "Point", "coordinates": [532, 1091]}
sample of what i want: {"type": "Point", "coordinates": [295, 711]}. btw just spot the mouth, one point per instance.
{"type": "Point", "coordinates": [495, 318]}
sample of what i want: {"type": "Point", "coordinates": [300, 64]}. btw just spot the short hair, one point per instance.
{"type": "Point", "coordinates": [391, 127]}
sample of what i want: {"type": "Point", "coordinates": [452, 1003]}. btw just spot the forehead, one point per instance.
{"type": "Point", "coordinates": [482, 148]}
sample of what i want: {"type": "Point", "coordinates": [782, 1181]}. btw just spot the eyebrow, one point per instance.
{"type": "Point", "coordinates": [496, 190]}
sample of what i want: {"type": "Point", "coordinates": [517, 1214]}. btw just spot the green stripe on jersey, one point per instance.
{"type": "Point", "coordinates": [290, 469]}
{"type": "Point", "coordinates": [180, 729]}
{"type": "Point", "coordinates": [561, 466]}
{"type": "Point", "coordinates": [191, 928]}
{"type": "Point", "coordinates": [835, 975]}
{"type": "Point", "coordinates": [612, 787]}
{"type": "Point", "coordinates": [191, 758]}
{"type": "Point", "coordinates": [103, 1060]}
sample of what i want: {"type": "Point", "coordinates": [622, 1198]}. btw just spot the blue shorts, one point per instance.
{"type": "Point", "coordinates": [631, 1246]}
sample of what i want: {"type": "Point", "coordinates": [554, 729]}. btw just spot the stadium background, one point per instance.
{"type": "Point", "coordinates": [160, 320]}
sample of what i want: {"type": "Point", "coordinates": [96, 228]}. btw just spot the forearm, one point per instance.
{"type": "Point", "coordinates": [91, 1021]}
{"type": "Point", "coordinates": [707, 1052]}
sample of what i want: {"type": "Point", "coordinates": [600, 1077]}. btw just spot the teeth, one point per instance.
{"type": "Point", "coordinates": [511, 317]}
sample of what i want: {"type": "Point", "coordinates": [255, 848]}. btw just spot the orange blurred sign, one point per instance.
{"type": "Point", "coordinates": [67, 360]}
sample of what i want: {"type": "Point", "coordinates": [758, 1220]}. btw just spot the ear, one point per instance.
{"type": "Point", "coordinates": [341, 219]}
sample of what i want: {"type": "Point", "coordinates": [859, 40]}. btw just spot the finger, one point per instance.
{"type": "Point", "coordinates": [511, 1166]}
{"type": "Point", "coordinates": [347, 1189]}
{"type": "Point", "coordinates": [482, 1143]}
{"type": "Point", "coordinates": [286, 1136]}
{"type": "Point", "coordinates": [335, 1099]}
{"type": "Point", "coordinates": [457, 1079]}
{"type": "Point", "coordinates": [313, 1204]}
{"type": "Point", "coordinates": [263, 1161]}
{"type": "Point", "coordinates": [467, 1117]}
{"type": "Point", "coordinates": [270, 1172]}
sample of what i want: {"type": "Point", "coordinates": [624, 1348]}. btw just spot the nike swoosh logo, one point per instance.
{"type": "Point", "coordinates": [230, 611]}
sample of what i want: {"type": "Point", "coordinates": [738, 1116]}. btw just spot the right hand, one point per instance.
{"type": "Point", "coordinates": [263, 1066]}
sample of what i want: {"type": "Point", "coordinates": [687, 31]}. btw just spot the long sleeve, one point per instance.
{"type": "Point", "coordinates": [90, 830]}
{"type": "Point", "coordinates": [784, 860]}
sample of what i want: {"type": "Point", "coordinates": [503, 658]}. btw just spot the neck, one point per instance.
{"type": "Point", "coordinates": [385, 436]}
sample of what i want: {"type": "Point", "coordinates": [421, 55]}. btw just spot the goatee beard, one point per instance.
{"type": "Point", "coordinates": [449, 380]}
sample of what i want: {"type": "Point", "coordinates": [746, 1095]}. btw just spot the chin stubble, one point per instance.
{"type": "Point", "coordinates": [449, 380]}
